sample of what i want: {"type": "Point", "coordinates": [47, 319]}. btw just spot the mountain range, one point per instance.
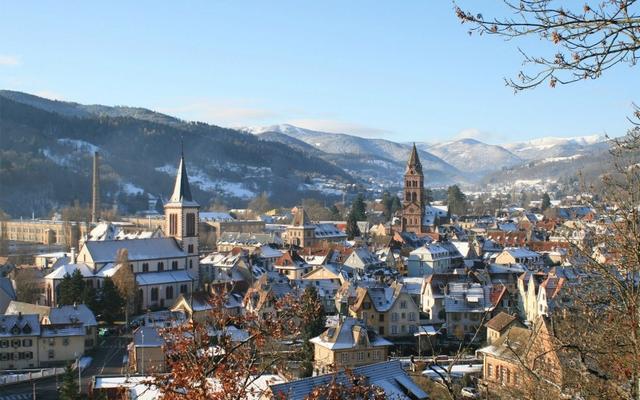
{"type": "Point", "coordinates": [46, 148]}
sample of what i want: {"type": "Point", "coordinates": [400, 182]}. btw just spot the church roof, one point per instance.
{"type": "Point", "coordinates": [181, 190]}
{"type": "Point", "coordinates": [414, 160]}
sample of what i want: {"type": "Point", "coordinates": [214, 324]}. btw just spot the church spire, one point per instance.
{"type": "Point", "coordinates": [181, 190]}
{"type": "Point", "coordinates": [414, 160]}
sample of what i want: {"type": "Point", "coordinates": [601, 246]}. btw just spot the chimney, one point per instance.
{"type": "Point", "coordinates": [73, 255]}
{"type": "Point", "coordinates": [95, 197]}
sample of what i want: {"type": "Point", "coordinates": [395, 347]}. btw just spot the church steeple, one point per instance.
{"type": "Point", "coordinates": [181, 190]}
{"type": "Point", "coordinates": [414, 196]}
{"type": "Point", "coordinates": [181, 216]}
{"type": "Point", "coordinates": [414, 161]}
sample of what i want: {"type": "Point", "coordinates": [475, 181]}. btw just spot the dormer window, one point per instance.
{"type": "Point", "coordinates": [26, 329]}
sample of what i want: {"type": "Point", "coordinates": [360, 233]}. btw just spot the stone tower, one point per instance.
{"type": "Point", "coordinates": [413, 202]}
{"type": "Point", "coordinates": [181, 217]}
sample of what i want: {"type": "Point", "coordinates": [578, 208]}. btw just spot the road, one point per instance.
{"type": "Point", "coordinates": [107, 360]}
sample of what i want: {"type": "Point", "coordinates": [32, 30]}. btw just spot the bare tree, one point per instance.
{"type": "Point", "coordinates": [589, 38]}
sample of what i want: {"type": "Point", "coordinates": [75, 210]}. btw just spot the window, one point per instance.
{"type": "Point", "coordinates": [145, 267]}
{"type": "Point", "coordinates": [394, 329]}
{"type": "Point", "coordinates": [183, 289]}
{"type": "Point", "coordinates": [403, 304]}
{"type": "Point", "coordinates": [190, 249]}
{"type": "Point", "coordinates": [168, 292]}
{"type": "Point", "coordinates": [345, 357]}
{"type": "Point", "coordinates": [381, 330]}
{"type": "Point", "coordinates": [489, 370]}
{"type": "Point", "coordinates": [381, 317]}
{"type": "Point", "coordinates": [4, 344]}
{"type": "Point", "coordinates": [394, 317]}
{"type": "Point", "coordinates": [154, 294]}
{"type": "Point", "coordinates": [376, 355]}
{"type": "Point", "coordinates": [51, 354]}
{"type": "Point", "coordinates": [27, 343]}
{"type": "Point", "coordinates": [360, 355]}
{"type": "Point", "coordinates": [160, 266]}
{"type": "Point", "coordinates": [191, 224]}
{"type": "Point", "coordinates": [412, 316]}
{"type": "Point", "coordinates": [65, 341]}
{"type": "Point", "coordinates": [174, 265]}
{"type": "Point", "coordinates": [367, 305]}
{"type": "Point", "coordinates": [173, 224]}
{"type": "Point", "coordinates": [15, 343]}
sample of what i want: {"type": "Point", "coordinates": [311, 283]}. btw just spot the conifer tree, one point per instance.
{"type": "Point", "coordinates": [69, 388]}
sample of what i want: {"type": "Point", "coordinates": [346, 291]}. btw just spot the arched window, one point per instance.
{"type": "Point", "coordinates": [168, 293]}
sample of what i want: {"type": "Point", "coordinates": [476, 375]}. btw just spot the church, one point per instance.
{"type": "Point", "coordinates": [414, 197]}
{"type": "Point", "coordinates": [164, 267]}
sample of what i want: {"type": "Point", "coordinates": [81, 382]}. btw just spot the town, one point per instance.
{"type": "Point", "coordinates": [422, 302]}
{"type": "Point", "coordinates": [329, 200]}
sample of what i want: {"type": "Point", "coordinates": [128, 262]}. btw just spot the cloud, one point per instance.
{"type": "Point", "coordinates": [336, 126]}
{"type": "Point", "coordinates": [222, 112]}
{"type": "Point", "coordinates": [9, 61]}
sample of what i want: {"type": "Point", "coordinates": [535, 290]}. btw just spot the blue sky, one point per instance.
{"type": "Point", "coordinates": [402, 70]}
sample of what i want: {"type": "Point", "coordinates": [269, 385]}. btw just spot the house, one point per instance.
{"type": "Point", "coordinates": [61, 315]}
{"type": "Point", "coordinates": [350, 344]}
{"type": "Point", "coordinates": [520, 255]}
{"type": "Point", "coordinates": [146, 354]}
{"type": "Point", "coordinates": [428, 259]}
{"type": "Point", "coordinates": [26, 343]}
{"type": "Point", "coordinates": [499, 324]}
{"type": "Point", "coordinates": [75, 314]}
{"type": "Point", "coordinates": [387, 375]}
{"type": "Point", "coordinates": [291, 265]}
{"type": "Point", "coordinates": [361, 259]}
{"type": "Point", "coordinates": [262, 296]}
{"type": "Point", "coordinates": [467, 306]}
{"type": "Point", "coordinates": [433, 292]}
{"type": "Point", "coordinates": [507, 362]}
{"type": "Point", "coordinates": [233, 270]}
{"type": "Point", "coordinates": [389, 310]}
{"type": "Point", "coordinates": [197, 306]}
{"type": "Point", "coordinates": [19, 340]}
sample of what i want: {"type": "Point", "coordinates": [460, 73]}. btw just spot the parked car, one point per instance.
{"type": "Point", "coordinates": [470, 393]}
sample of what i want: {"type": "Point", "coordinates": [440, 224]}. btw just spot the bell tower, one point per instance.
{"type": "Point", "coordinates": [413, 202]}
{"type": "Point", "coordinates": [181, 217]}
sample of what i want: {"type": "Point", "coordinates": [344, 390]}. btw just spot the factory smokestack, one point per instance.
{"type": "Point", "coordinates": [95, 197]}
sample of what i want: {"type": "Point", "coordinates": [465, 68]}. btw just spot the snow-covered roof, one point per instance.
{"type": "Point", "coordinates": [387, 375]}
{"type": "Point", "coordinates": [19, 325]}
{"type": "Point", "coordinates": [137, 249]}
{"type": "Point", "coordinates": [521, 252]}
{"type": "Point", "coordinates": [69, 269]}
{"type": "Point", "coordinates": [158, 278]}
{"type": "Point", "coordinates": [72, 314]}
{"type": "Point", "coordinates": [344, 336]}
{"type": "Point", "coordinates": [269, 252]}
{"type": "Point", "coordinates": [215, 216]}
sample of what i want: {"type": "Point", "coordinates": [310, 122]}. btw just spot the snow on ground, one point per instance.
{"type": "Point", "coordinates": [80, 145]}
{"type": "Point", "coordinates": [131, 189]}
{"type": "Point", "coordinates": [203, 181]}
{"type": "Point", "coordinates": [557, 159]}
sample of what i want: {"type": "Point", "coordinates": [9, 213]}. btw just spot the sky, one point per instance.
{"type": "Point", "coordinates": [400, 70]}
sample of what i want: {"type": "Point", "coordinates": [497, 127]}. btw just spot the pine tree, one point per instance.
{"type": "Point", "coordinates": [546, 201]}
{"type": "Point", "coordinates": [69, 388]}
{"type": "Point", "coordinates": [456, 201]}
{"type": "Point", "coordinates": [111, 302]}
{"type": "Point", "coordinates": [352, 226]}
{"type": "Point", "coordinates": [71, 289]}
{"type": "Point", "coordinates": [359, 208]}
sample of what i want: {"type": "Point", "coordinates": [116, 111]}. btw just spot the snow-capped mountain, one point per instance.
{"type": "Point", "coordinates": [549, 147]}
{"type": "Point", "coordinates": [472, 156]}
{"type": "Point", "coordinates": [340, 143]}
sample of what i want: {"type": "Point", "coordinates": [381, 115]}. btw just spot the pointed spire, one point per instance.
{"type": "Point", "coordinates": [414, 160]}
{"type": "Point", "coordinates": [181, 190]}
